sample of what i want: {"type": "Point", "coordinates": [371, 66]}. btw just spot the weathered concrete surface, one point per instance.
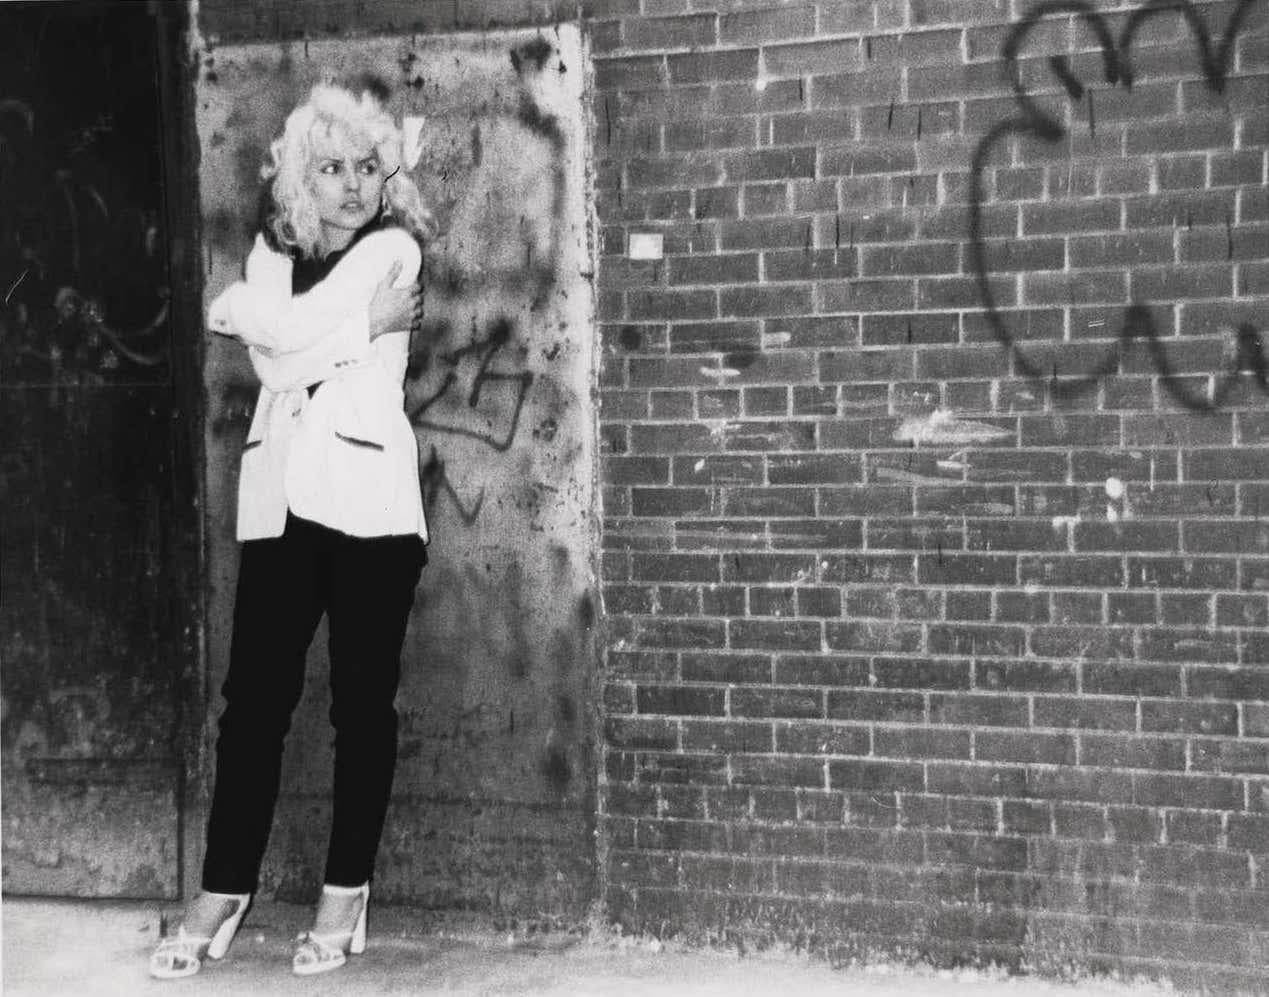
{"type": "Point", "coordinates": [495, 791]}
{"type": "Point", "coordinates": [100, 949]}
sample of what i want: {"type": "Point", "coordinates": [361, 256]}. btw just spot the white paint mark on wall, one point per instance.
{"type": "Point", "coordinates": [941, 426]}
{"type": "Point", "coordinates": [730, 537]}
{"type": "Point", "coordinates": [910, 477]}
{"type": "Point", "coordinates": [954, 462]}
{"type": "Point", "coordinates": [1117, 505]}
{"type": "Point", "coordinates": [412, 138]}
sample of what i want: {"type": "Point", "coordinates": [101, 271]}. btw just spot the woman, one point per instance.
{"type": "Point", "coordinates": [329, 512]}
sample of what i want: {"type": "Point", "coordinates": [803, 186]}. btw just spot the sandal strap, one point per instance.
{"type": "Point", "coordinates": [345, 891]}
{"type": "Point", "coordinates": [182, 942]}
{"type": "Point", "coordinates": [180, 950]}
{"type": "Point", "coordinates": [323, 947]}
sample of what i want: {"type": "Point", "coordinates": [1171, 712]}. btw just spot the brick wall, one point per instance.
{"type": "Point", "coordinates": [935, 573]}
{"type": "Point", "coordinates": [935, 580]}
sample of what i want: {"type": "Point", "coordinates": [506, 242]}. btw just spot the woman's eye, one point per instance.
{"type": "Point", "coordinates": [369, 168]}
{"type": "Point", "coordinates": [330, 169]}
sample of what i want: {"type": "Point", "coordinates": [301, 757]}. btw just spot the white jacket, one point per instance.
{"type": "Point", "coordinates": [347, 457]}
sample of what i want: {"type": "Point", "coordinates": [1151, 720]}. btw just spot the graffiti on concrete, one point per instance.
{"type": "Point", "coordinates": [1034, 120]}
{"type": "Point", "coordinates": [435, 481]}
{"type": "Point", "coordinates": [496, 178]}
{"type": "Point", "coordinates": [487, 400]}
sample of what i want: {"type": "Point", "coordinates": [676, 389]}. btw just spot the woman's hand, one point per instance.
{"type": "Point", "coordinates": [394, 309]}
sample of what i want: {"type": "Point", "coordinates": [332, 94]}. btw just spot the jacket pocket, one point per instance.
{"type": "Point", "coordinates": [354, 441]}
{"type": "Point", "coordinates": [356, 402]}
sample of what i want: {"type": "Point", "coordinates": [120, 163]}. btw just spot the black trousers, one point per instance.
{"type": "Point", "coordinates": [365, 586]}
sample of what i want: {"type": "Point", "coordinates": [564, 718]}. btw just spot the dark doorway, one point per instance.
{"type": "Point", "coordinates": [99, 550]}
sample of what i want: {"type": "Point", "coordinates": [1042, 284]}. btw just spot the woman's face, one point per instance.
{"type": "Point", "coordinates": [346, 182]}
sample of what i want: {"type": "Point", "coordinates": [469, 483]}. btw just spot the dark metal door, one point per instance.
{"type": "Point", "coordinates": [99, 538]}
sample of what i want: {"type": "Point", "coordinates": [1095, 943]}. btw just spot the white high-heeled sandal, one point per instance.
{"type": "Point", "coordinates": [182, 954]}
{"type": "Point", "coordinates": [321, 953]}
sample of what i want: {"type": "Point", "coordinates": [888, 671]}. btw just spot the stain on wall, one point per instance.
{"type": "Point", "coordinates": [495, 791]}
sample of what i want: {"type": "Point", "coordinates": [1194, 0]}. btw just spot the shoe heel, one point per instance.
{"type": "Point", "coordinates": [358, 943]}
{"type": "Point", "coordinates": [219, 944]}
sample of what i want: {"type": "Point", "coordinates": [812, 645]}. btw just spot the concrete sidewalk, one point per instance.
{"type": "Point", "coordinates": [77, 947]}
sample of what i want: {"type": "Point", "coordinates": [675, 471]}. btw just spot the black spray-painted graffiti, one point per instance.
{"type": "Point", "coordinates": [1032, 120]}
{"type": "Point", "coordinates": [502, 394]}
{"type": "Point", "coordinates": [478, 390]}
{"type": "Point", "coordinates": [499, 431]}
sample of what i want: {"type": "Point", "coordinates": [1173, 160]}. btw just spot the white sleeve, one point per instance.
{"type": "Point", "coordinates": [262, 312]}
{"type": "Point", "coordinates": [344, 349]}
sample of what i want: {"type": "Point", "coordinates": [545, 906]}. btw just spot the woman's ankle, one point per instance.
{"type": "Point", "coordinates": [337, 911]}
{"type": "Point", "coordinates": [207, 911]}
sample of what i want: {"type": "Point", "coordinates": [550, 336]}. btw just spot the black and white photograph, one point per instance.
{"type": "Point", "coordinates": [634, 497]}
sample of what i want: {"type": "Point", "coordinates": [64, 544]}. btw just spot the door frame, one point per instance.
{"type": "Point", "coordinates": [178, 71]}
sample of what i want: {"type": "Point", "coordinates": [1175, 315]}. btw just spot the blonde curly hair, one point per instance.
{"type": "Point", "coordinates": [333, 117]}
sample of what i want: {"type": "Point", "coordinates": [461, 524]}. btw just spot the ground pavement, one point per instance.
{"type": "Point", "coordinates": [99, 947]}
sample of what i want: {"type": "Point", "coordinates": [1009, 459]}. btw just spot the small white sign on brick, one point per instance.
{"type": "Point", "coordinates": [645, 246]}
